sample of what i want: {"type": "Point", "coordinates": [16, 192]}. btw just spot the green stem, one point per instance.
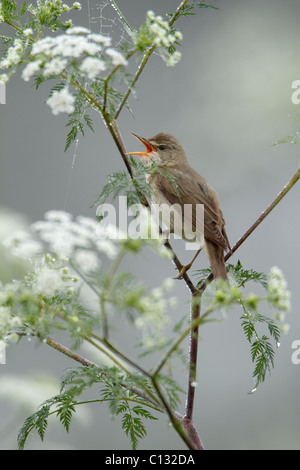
{"type": "Point", "coordinates": [115, 6]}
{"type": "Point", "coordinates": [135, 79]}
{"type": "Point", "coordinates": [110, 76]}
{"type": "Point", "coordinates": [294, 179]}
{"type": "Point", "coordinates": [105, 290]}
{"type": "Point", "coordinates": [67, 352]}
{"type": "Point", "coordinates": [145, 60]}
{"type": "Point", "coordinates": [194, 324]}
{"type": "Point", "coordinates": [177, 12]}
{"type": "Point", "coordinates": [173, 418]}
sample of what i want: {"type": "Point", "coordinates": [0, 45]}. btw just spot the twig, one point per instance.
{"type": "Point", "coordinates": [145, 60]}
{"type": "Point", "coordinates": [193, 356]}
{"type": "Point", "coordinates": [260, 219]}
{"type": "Point", "coordinates": [115, 6]}
{"type": "Point", "coordinates": [135, 79]}
{"type": "Point", "coordinates": [174, 418]}
{"type": "Point", "coordinates": [266, 212]}
{"type": "Point", "coordinates": [67, 352]}
{"type": "Point", "coordinates": [87, 363]}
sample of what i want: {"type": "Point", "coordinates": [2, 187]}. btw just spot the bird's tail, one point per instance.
{"type": "Point", "coordinates": [216, 257]}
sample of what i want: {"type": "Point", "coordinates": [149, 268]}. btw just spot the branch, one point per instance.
{"type": "Point", "coordinates": [135, 79]}
{"type": "Point", "coordinates": [115, 6]}
{"type": "Point", "coordinates": [145, 60]}
{"type": "Point", "coordinates": [260, 219]}
{"type": "Point", "coordinates": [87, 363]}
{"type": "Point", "coordinates": [67, 352]}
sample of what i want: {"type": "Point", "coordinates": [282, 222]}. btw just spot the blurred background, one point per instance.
{"type": "Point", "coordinates": [228, 101]}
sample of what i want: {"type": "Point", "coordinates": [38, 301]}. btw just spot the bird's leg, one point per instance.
{"type": "Point", "coordinates": [185, 268]}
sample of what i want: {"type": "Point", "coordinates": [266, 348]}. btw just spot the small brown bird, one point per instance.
{"type": "Point", "coordinates": [177, 184]}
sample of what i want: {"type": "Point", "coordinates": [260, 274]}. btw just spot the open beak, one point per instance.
{"type": "Point", "coordinates": [149, 148]}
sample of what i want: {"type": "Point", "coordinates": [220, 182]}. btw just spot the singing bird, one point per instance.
{"type": "Point", "coordinates": [178, 185]}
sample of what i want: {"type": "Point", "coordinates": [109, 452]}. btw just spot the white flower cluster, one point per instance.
{"type": "Point", "coordinates": [22, 245]}
{"type": "Point", "coordinates": [14, 55]}
{"type": "Point", "coordinates": [158, 32]}
{"type": "Point", "coordinates": [61, 101]}
{"type": "Point", "coordinates": [7, 321]}
{"type": "Point", "coordinates": [50, 278]}
{"type": "Point", "coordinates": [154, 319]}
{"type": "Point", "coordinates": [88, 53]}
{"type": "Point", "coordinates": [74, 240]}
{"type": "Point", "coordinates": [278, 294]}
{"type": "Point", "coordinates": [46, 6]}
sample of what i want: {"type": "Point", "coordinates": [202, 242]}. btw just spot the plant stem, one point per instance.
{"type": "Point", "coordinates": [110, 75]}
{"type": "Point", "coordinates": [173, 418]}
{"type": "Point", "coordinates": [135, 79]}
{"type": "Point", "coordinates": [177, 12]}
{"type": "Point", "coordinates": [193, 355]}
{"type": "Point", "coordinates": [266, 212]}
{"type": "Point", "coordinates": [145, 60]}
{"type": "Point", "coordinates": [115, 6]}
{"type": "Point", "coordinates": [260, 219]}
{"type": "Point", "coordinates": [195, 322]}
{"type": "Point", "coordinates": [67, 352]}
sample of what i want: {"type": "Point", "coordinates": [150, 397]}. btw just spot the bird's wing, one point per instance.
{"type": "Point", "coordinates": [188, 196]}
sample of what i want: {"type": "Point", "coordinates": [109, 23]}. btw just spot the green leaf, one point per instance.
{"type": "Point", "coordinates": [288, 139]}
{"type": "Point", "coordinates": [66, 410]}
{"type": "Point", "coordinates": [188, 9]}
{"type": "Point", "coordinates": [121, 183]}
{"type": "Point", "coordinates": [242, 275]}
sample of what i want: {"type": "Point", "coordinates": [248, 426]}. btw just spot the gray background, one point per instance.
{"type": "Point", "coordinates": [228, 100]}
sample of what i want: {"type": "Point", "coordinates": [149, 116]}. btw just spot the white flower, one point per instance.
{"type": "Point", "coordinates": [55, 66]}
{"type": "Point", "coordinates": [153, 319]}
{"type": "Point", "coordinates": [117, 57]}
{"type": "Point", "coordinates": [173, 59]}
{"type": "Point", "coordinates": [4, 78]}
{"type": "Point", "coordinates": [61, 102]}
{"type": "Point", "coordinates": [22, 245]}
{"type": "Point", "coordinates": [31, 69]}
{"type": "Point", "coordinates": [14, 55]}
{"type": "Point", "coordinates": [77, 6]}
{"type": "Point", "coordinates": [178, 35]}
{"type": "Point", "coordinates": [78, 30]}
{"type": "Point", "coordinates": [48, 281]}
{"type": "Point", "coordinates": [92, 67]}
{"type": "Point", "coordinates": [66, 45]}
{"type": "Point", "coordinates": [107, 247]}
{"type": "Point", "coordinates": [27, 32]}
{"type": "Point", "coordinates": [158, 32]}
{"type": "Point", "coordinates": [58, 216]}
{"type": "Point", "coordinates": [87, 260]}
{"type": "Point", "coordinates": [63, 235]}
{"type": "Point", "coordinates": [99, 38]}
{"type": "Point", "coordinates": [168, 284]}
{"type": "Point", "coordinates": [90, 224]}
{"type": "Point", "coordinates": [150, 15]}
{"type": "Point", "coordinates": [8, 321]}
{"type": "Point", "coordinates": [278, 294]}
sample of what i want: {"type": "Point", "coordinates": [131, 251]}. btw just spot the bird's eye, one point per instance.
{"type": "Point", "coordinates": [162, 147]}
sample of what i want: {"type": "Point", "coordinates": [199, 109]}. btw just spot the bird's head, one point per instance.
{"type": "Point", "coordinates": [163, 149]}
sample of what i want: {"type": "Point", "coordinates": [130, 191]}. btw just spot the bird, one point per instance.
{"type": "Point", "coordinates": [175, 183]}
